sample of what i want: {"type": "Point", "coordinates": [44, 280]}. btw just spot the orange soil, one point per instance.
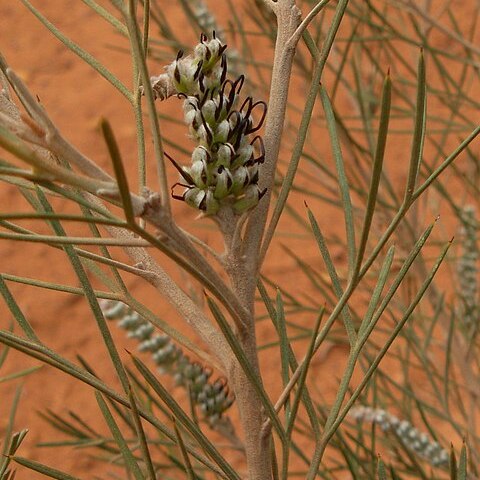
{"type": "Point", "coordinates": [75, 97]}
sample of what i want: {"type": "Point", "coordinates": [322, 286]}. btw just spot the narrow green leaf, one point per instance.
{"type": "Point", "coordinates": [19, 374]}
{"type": "Point", "coordinates": [131, 464]}
{"type": "Point", "coordinates": [63, 425]}
{"type": "Point", "coordinates": [17, 439]}
{"type": "Point", "coordinates": [25, 152]}
{"type": "Point", "coordinates": [274, 460]}
{"type": "Point", "coordinates": [332, 272]}
{"type": "Point", "coordinates": [419, 130]}
{"type": "Point", "coordinates": [284, 345]}
{"type": "Point", "coordinates": [448, 358]}
{"type": "Point", "coordinates": [450, 158]}
{"type": "Point", "coordinates": [292, 415]}
{"type": "Point", "coordinates": [84, 424]}
{"type": "Point", "coordinates": [150, 398]}
{"type": "Point", "coordinates": [58, 287]}
{"type": "Point", "coordinates": [17, 312]}
{"type": "Point", "coordinates": [381, 472]}
{"type": "Point", "coordinates": [120, 410]}
{"type": "Point", "coordinates": [112, 20]}
{"type": "Point", "coordinates": [65, 240]}
{"type": "Point", "coordinates": [120, 174]}
{"type": "Point", "coordinates": [43, 469]}
{"type": "Point", "coordinates": [336, 416]}
{"type": "Point", "coordinates": [11, 440]}
{"type": "Point", "coordinates": [186, 459]}
{"type": "Point", "coordinates": [395, 285]}
{"type": "Point", "coordinates": [130, 301]}
{"type": "Point", "coordinates": [119, 283]}
{"type": "Point", "coordinates": [462, 465]}
{"type": "Point", "coordinates": [377, 291]}
{"type": "Point", "coordinates": [375, 362]}
{"type": "Point", "coordinates": [453, 463]}
{"type": "Point", "coordinates": [376, 172]}
{"type": "Point", "coordinates": [139, 60]}
{"type": "Point", "coordinates": [303, 375]}
{"type": "Point", "coordinates": [57, 216]}
{"type": "Point", "coordinates": [4, 351]}
{"type": "Point", "coordinates": [361, 93]}
{"type": "Point", "coordinates": [320, 62]}
{"type": "Point", "coordinates": [147, 459]}
{"type": "Point", "coordinates": [342, 178]}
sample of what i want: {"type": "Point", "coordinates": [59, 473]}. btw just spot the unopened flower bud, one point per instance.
{"type": "Point", "coordinates": [211, 205]}
{"type": "Point", "coordinates": [199, 173]}
{"type": "Point", "coordinates": [201, 154]}
{"type": "Point", "coordinates": [225, 154]}
{"type": "Point", "coordinates": [208, 110]}
{"type": "Point", "coordinates": [224, 183]}
{"type": "Point", "coordinates": [222, 131]}
{"type": "Point", "coordinates": [240, 180]}
{"type": "Point", "coordinates": [249, 200]}
{"type": "Point", "coordinates": [244, 153]}
{"type": "Point", "coordinates": [195, 197]}
{"type": "Point", "coordinates": [191, 113]}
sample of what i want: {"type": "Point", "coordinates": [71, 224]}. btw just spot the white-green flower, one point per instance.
{"type": "Point", "coordinates": [224, 165]}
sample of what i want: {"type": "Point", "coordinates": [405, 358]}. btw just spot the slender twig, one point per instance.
{"type": "Point", "coordinates": [119, 242]}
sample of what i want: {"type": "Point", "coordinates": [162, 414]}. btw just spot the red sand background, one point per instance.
{"type": "Point", "coordinates": [75, 96]}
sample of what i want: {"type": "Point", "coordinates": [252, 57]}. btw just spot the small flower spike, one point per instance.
{"type": "Point", "coordinates": [213, 398]}
{"type": "Point", "coordinates": [468, 266]}
{"type": "Point", "coordinates": [416, 441]}
{"type": "Point", "coordinates": [224, 169]}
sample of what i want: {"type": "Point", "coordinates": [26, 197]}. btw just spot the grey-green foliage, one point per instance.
{"type": "Point", "coordinates": [351, 63]}
{"type": "Point", "coordinates": [11, 441]}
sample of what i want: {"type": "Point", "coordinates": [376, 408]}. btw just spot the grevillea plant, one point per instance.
{"type": "Point", "coordinates": [233, 379]}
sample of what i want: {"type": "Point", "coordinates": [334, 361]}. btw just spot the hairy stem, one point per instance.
{"type": "Point", "coordinates": [288, 20]}
{"type": "Point", "coordinates": [243, 261]}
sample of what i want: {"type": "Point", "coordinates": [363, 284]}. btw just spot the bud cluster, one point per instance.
{"type": "Point", "coordinates": [411, 438]}
{"type": "Point", "coordinates": [225, 163]}
{"type": "Point", "coordinates": [212, 397]}
{"type": "Point", "coordinates": [468, 267]}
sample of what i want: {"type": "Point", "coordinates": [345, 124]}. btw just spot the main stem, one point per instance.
{"type": "Point", "coordinates": [243, 261]}
{"type": "Point", "coordinates": [288, 19]}
{"type": "Point", "coordinates": [249, 404]}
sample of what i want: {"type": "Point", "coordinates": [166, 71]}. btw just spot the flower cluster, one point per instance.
{"type": "Point", "coordinates": [213, 398]}
{"type": "Point", "coordinates": [225, 163]}
{"type": "Point", "coordinates": [413, 439]}
{"type": "Point", "coordinates": [468, 267]}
